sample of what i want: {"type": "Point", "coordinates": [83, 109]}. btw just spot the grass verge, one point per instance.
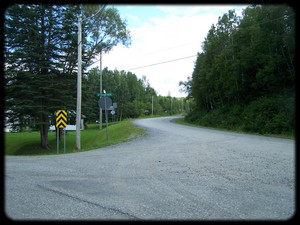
{"type": "Point", "coordinates": [27, 143]}
{"type": "Point", "coordinates": [184, 122]}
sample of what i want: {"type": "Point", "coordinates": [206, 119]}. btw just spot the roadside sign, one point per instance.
{"type": "Point", "coordinates": [61, 122]}
{"type": "Point", "coordinates": [105, 103]}
{"type": "Point", "coordinates": [61, 118]}
{"type": "Point", "coordinates": [104, 94]}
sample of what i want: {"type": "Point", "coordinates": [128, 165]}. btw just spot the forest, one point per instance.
{"type": "Point", "coordinates": [244, 78]}
{"type": "Point", "coordinates": [41, 64]}
{"type": "Point", "coordinates": [133, 96]}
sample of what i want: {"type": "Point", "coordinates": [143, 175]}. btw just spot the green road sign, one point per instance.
{"type": "Point", "coordinates": [104, 94]}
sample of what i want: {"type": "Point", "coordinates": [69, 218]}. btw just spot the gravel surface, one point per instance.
{"type": "Point", "coordinates": [175, 172]}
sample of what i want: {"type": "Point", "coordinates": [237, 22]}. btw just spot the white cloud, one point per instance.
{"type": "Point", "coordinates": [178, 33]}
{"type": "Point", "coordinates": [186, 10]}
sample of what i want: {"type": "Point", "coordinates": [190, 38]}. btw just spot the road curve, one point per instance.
{"type": "Point", "coordinates": [176, 172]}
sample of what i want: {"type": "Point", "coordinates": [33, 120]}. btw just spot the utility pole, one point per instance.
{"type": "Point", "coordinates": [182, 108]}
{"type": "Point", "coordinates": [100, 110]}
{"type": "Point", "coordinates": [152, 105]}
{"type": "Point", "coordinates": [106, 117]}
{"type": "Point", "coordinates": [78, 108]}
{"type": "Point", "coordinates": [171, 105]}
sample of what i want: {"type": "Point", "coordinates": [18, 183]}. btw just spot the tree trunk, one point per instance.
{"type": "Point", "coordinates": [44, 133]}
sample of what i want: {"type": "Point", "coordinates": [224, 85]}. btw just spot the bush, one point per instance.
{"type": "Point", "coordinates": [265, 115]}
{"type": "Point", "coordinates": [193, 116]}
{"type": "Point", "coordinates": [226, 117]}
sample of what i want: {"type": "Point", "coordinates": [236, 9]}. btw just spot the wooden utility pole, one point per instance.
{"type": "Point", "coordinates": [100, 111]}
{"type": "Point", "coordinates": [152, 107]}
{"type": "Point", "coordinates": [78, 108]}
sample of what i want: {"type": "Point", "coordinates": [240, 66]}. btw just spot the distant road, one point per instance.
{"type": "Point", "coordinates": [176, 172]}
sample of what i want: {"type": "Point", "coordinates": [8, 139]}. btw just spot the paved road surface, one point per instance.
{"type": "Point", "coordinates": [175, 172]}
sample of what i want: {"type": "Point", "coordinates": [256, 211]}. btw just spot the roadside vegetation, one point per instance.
{"type": "Point", "coordinates": [41, 65]}
{"type": "Point", "coordinates": [183, 121]}
{"type": "Point", "coordinates": [244, 79]}
{"type": "Point", "coordinates": [27, 143]}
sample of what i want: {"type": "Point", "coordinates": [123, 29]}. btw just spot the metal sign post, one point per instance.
{"type": "Point", "coordinates": [61, 122]}
{"type": "Point", "coordinates": [106, 120]}
{"type": "Point", "coordinates": [105, 103]}
{"type": "Point", "coordinates": [64, 140]}
{"type": "Point", "coordinates": [57, 139]}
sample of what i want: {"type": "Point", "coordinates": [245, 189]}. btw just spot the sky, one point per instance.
{"type": "Point", "coordinates": [165, 40]}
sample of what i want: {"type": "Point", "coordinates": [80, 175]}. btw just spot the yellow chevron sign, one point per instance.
{"type": "Point", "coordinates": [61, 118]}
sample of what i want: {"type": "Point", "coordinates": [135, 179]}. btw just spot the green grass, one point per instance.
{"type": "Point", "coordinates": [28, 143]}
{"type": "Point", "coordinates": [184, 122]}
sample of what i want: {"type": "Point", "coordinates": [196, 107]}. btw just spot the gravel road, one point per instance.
{"type": "Point", "coordinates": [175, 172]}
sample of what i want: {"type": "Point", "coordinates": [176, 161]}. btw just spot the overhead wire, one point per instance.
{"type": "Point", "coordinates": [100, 10]}
{"type": "Point", "coordinates": [154, 64]}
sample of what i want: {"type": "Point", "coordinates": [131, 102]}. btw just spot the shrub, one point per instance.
{"type": "Point", "coordinates": [265, 115]}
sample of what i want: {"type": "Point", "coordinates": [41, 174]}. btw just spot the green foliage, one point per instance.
{"type": "Point", "coordinates": [40, 51]}
{"type": "Point", "coordinates": [103, 30]}
{"type": "Point", "coordinates": [266, 115]}
{"type": "Point", "coordinates": [245, 76]}
{"type": "Point", "coordinates": [132, 95]}
{"type": "Point", "coordinates": [27, 143]}
{"type": "Point", "coordinates": [228, 117]}
{"type": "Point", "coordinates": [259, 113]}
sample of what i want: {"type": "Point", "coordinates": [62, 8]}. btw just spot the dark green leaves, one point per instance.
{"type": "Point", "coordinates": [245, 59]}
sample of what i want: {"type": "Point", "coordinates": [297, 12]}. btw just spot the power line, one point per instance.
{"type": "Point", "coordinates": [172, 47]}
{"type": "Point", "coordinates": [149, 53]}
{"type": "Point", "coordinates": [100, 10]}
{"type": "Point", "coordinates": [238, 27]}
{"type": "Point", "coordinates": [161, 62]}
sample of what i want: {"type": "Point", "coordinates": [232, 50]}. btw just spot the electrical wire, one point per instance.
{"type": "Point", "coordinates": [189, 43]}
{"type": "Point", "coordinates": [100, 10]}
{"type": "Point", "coordinates": [154, 64]}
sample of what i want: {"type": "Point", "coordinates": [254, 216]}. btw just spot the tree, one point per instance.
{"type": "Point", "coordinates": [246, 61]}
{"type": "Point", "coordinates": [90, 87]}
{"type": "Point", "coordinates": [33, 52]}
{"type": "Point", "coordinates": [186, 86]}
{"type": "Point", "coordinates": [104, 29]}
{"type": "Point", "coordinates": [40, 50]}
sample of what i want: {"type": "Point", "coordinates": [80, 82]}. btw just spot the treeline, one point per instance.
{"type": "Point", "coordinates": [244, 79]}
{"type": "Point", "coordinates": [41, 57]}
{"type": "Point", "coordinates": [41, 65]}
{"type": "Point", "coordinates": [133, 96]}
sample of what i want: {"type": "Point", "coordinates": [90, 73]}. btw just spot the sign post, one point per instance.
{"type": "Point", "coordinates": [57, 140]}
{"type": "Point", "coordinates": [105, 103]}
{"type": "Point", "coordinates": [104, 94]}
{"type": "Point", "coordinates": [64, 140]}
{"type": "Point", "coordinates": [61, 122]}
{"type": "Point", "coordinates": [106, 120]}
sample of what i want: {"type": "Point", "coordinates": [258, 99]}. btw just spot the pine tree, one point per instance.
{"type": "Point", "coordinates": [40, 50]}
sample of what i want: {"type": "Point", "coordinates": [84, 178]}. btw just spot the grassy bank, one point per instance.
{"type": "Point", "coordinates": [27, 143]}
{"type": "Point", "coordinates": [184, 122]}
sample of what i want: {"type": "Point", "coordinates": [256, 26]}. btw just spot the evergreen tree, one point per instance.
{"type": "Point", "coordinates": [243, 61]}
{"type": "Point", "coordinates": [40, 51]}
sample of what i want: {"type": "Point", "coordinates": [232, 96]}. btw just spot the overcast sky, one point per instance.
{"type": "Point", "coordinates": [162, 33]}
